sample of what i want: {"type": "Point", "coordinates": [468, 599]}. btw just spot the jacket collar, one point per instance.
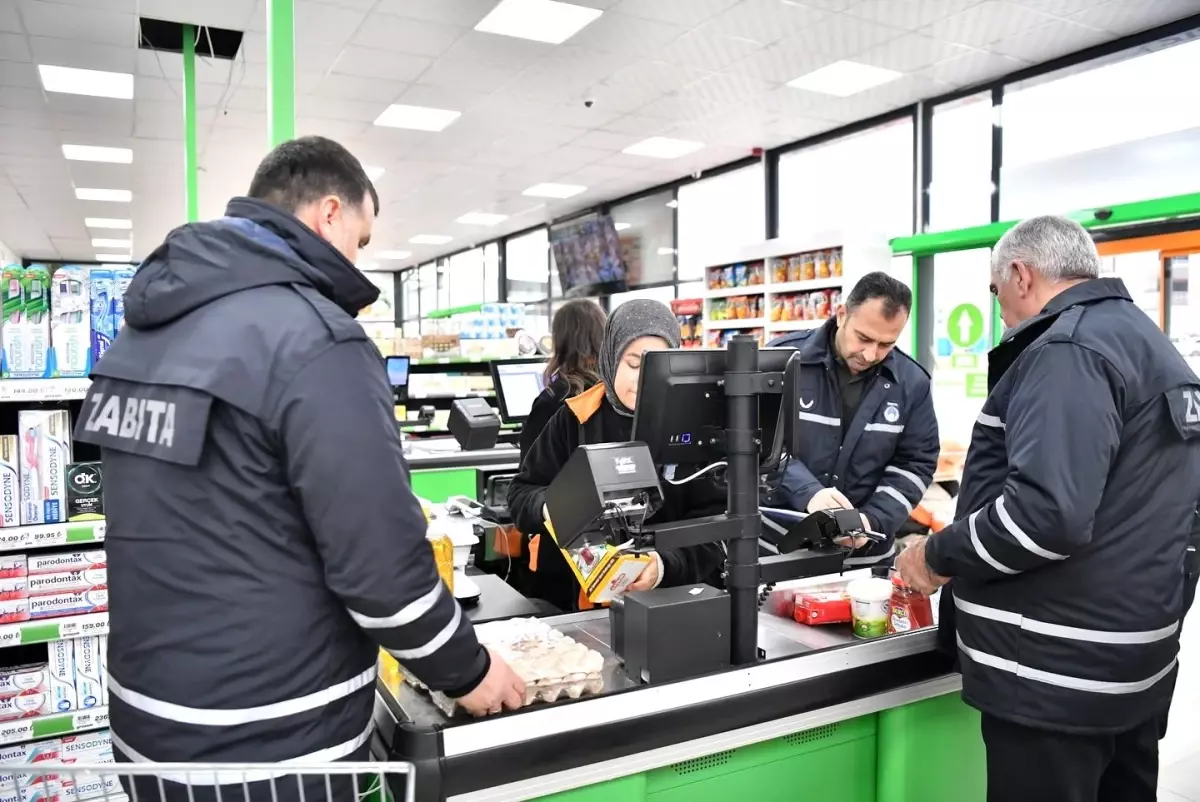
{"type": "Point", "coordinates": [818, 348]}
{"type": "Point", "coordinates": [1084, 293]}
{"type": "Point", "coordinates": [334, 276]}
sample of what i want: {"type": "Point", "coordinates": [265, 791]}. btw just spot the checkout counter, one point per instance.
{"type": "Point", "coordinates": [795, 713]}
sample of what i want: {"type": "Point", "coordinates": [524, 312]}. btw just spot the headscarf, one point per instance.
{"type": "Point", "coordinates": [628, 322]}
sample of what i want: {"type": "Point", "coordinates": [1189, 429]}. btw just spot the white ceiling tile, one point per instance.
{"type": "Point", "coordinates": [619, 33]}
{"type": "Point", "coordinates": [1123, 17]}
{"type": "Point", "coordinates": [14, 97]}
{"type": "Point", "coordinates": [85, 104]}
{"type": "Point", "coordinates": [765, 21]}
{"type": "Point", "coordinates": [780, 63]}
{"type": "Point", "coordinates": [335, 108]}
{"type": "Point", "coordinates": [159, 127]}
{"type": "Point", "coordinates": [706, 49]}
{"type": "Point", "coordinates": [637, 127]}
{"type": "Point", "coordinates": [910, 52]}
{"type": "Point", "coordinates": [1059, 8]}
{"type": "Point", "coordinates": [792, 129]}
{"type": "Point", "coordinates": [499, 51]}
{"type": "Point", "coordinates": [9, 22]}
{"type": "Point", "coordinates": [233, 14]}
{"type": "Point", "coordinates": [466, 13]}
{"type": "Point", "coordinates": [907, 14]}
{"type": "Point", "coordinates": [14, 48]}
{"type": "Point", "coordinates": [44, 18]}
{"type": "Point", "coordinates": [972, 68]}
{"type": "Point", "coordinates": [1055, 38]}
{"type": "Point", "coordinates": [159, 90]}
{"type": "Point", "coordinates": [353, 87]}
{"type": "Point", "coordinates": [842, 36]}
{"type": "Point", "coordinates": [678, 12]}
{"type": "Point", "coordinates": [380, 64]}
{"type": "Point", "coordinates": [74, 124]}
{"type": "Point", "coordinates": [407, 35]}
{"type": "Point", "coordinates": [987, 22]}
{"type": "Point", "coordinates": [317, 22]}
{"type": "Point", "coordinates": [467, 75]}
{"type": "Point", "coordinates": [169, 67]}
{"type": "Point", "coordinates": [604, 140]}
{"type": "Point", "coordinates": [437, 97]}
{"type": "Point", "coordinates": [245, 97]}
{"type": "Point", "coordinates": [548, 86]}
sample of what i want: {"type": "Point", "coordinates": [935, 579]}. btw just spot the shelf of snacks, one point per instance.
{"type": "Point", "coordinates": [690, 313]}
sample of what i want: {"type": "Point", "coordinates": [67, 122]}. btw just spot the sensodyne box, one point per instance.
{"type": "Point", "coordinates": [89, 676]}
{"type": "Point", "coordinates": [45, 452]}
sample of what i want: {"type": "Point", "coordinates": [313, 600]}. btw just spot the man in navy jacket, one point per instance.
{"type": "Point", "coordinates": [870, 434]}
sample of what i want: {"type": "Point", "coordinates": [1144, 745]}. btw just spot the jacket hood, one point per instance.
{"type": "Point", "coordinates": [254, 245]}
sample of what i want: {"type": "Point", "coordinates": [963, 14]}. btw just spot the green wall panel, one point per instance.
{"type": "Point", "coordinates": [438, 485]}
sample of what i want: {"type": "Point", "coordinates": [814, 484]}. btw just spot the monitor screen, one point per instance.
{"type": "Point", "coordinates": [587, 255]}
{"type": "Point", "coordinates": [518, 383]}
{"type": "Point", "coordinates": [397, 371]}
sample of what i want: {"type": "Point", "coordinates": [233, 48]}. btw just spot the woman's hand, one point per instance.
{"type": "Point", "coordinates": [648, 578]}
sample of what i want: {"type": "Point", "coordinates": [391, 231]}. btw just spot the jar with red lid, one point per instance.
{"type": "Point", "coordinates": [910, 609]}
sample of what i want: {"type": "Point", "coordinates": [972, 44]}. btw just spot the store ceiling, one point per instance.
{"type": "Point", "coordinates": [710, 71]}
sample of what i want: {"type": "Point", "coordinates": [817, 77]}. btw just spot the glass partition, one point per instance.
{"type": "Point", "coordinates": [527, 263]}
{"type": "Point", "coordinates": [960, 190]}
{"type": "Point", "coordinates": [717, 215]}
{"type": "Point", "coordinates": [646, 228]}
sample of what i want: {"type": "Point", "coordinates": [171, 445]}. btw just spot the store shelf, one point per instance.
{"type": "Point", "coordinates": [43, 389]}
{"type": "Point", "coordinates": [732, 292]}
{"type": "Point", "coordinates": [20, 538]}
{"type": "Point", "coordinates": [807, 286]}
{"type": "Point", "coordinates": [756, 323]}
{"type": "Point", "coordinates": [450, 396]}
{"type": "Point", "coordinates": [796, 325]}
{"type": "Point", "coordinates": [15, 732]}
{"type": "Point", "coordinates": [450, 360]}
{"type": "Point", "coordinates": [52, 629]}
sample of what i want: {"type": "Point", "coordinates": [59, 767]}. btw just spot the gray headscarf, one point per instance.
{"type": "Point", "coordinates": [629, 321]}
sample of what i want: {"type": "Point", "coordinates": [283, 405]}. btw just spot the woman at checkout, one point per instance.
{"type": "Point", "coordinates": [604, 414]}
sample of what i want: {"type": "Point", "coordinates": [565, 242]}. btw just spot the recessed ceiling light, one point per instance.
{"type": "Point", "coordinates": [430, 239]}
{"type": "Point", "coordinates": [114, 257]}
{"type": "Point", "coordinates": [393, 254]}
{"type": "Point", "coordinates": [374, 173]}
{"type": "Point", "coordinates": [554, 190]}
{"type": "Point", "coordinates": [666, 251]}
{"type": "Point", "coordinates": [89, 153]}
{"type": "Point", "coordinates": [844, 78]}
{"type": "Point", "coordinates": [661, 147]}
{"type": "Point", "coordinates": [416, 118]}
{"type": "Point", "coordinates": [96, 83]}
{"type": "Point", "coordinates": [481, 219]}
{"type": "Point", "coordinates": [540, 20]}
{"type": "Point", "coordinates": [622, 226]}
{"type": "Point", "coordinates": [672, 204]}
{"type": "Point", "coordinates": [108, 222]}
{"type": "Point", "coordinates": [112, 243]}
{"type": "Point", "coordinates": [114, 195]}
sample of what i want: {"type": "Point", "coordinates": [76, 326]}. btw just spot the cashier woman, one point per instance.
{"type": "Point", "coordinates": [866, 415]}
{"type": "Point", "coordinates": [604, 414]}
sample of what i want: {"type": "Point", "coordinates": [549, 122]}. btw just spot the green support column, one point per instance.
{"type": "Point", "coordinates": [281, 71]}
{"type": "Point", "coordinates": [190, 167]}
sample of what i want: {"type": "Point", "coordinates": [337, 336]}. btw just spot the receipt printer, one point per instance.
{"type": "Point", "coordinates": [474, 424]}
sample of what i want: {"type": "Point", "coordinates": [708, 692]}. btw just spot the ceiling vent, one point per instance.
{"type": "Point", "coordinates": [167, 37]}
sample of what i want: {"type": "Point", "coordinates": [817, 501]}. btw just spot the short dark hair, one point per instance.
{"type": "Point", "coordinates": [304, 170]}
{"type": "Point", "coordinates": [895, 295]}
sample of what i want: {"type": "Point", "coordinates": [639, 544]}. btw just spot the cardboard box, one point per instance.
{"type": "Point", "coordinates": [25, 692]}
{"type": "Point", "coordinates": [70, 322]}
{"type": "Point", "coordinates": [66, 582]}
{"type": "Point", "coordinates": [14, 611]}
{"type": "Point", "coordinates": [89, 676]}
{"type": "Point", "coordinates": [41, 784]}
{"type": "Point", "coordinates": [25, 327]}
{"type": "Point", "coordinates": [65, 561]}
{"type": "Point", "coordinates": [85, 744]}
{"type": "Point", "coordinates": [10, 478]}
{"type": "Point", "coordinates": [60, 604]}
{"type": "Point", "coordinates": [62, 676]}
{"type": "Point", "coordinates": [14, 587]}
{"type": "Point", "coordinates": [604, 572]}
{"type": "Point", "coordinates": [85, 491]}
{"type": "Point", "coordinates": [45, 452]}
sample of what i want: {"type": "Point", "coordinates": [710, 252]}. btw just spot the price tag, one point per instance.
{"type": "Point", "coordinates": [12, 539]}
{"type": "Point", "coordinates": [83, 626]}
{"type": "Point", "coordinates": [49, 536]}
{"type": "Point", "coordinates": [10, 635]}
{"type": "Point", "coordinates": [15, 731]}
{"type": "Point", "coordinates": [99, 529]}
{"type": "Point", "coordinates": [90, 719]}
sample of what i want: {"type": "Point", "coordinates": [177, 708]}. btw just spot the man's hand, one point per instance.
{"type": "Point", "coordinates": [828, 498]}
{"type": "Point", "coordinates": [915, 571]}
{"type": "Point", "coordinates": [500, 689]}
{"type": "Point", "coordinates": [648, 577]}
{"type": "Point", "coordinates": [856, 542]}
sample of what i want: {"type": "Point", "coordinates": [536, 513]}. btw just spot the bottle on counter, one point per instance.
{"type": "Point", "coordinates": [909, 609]}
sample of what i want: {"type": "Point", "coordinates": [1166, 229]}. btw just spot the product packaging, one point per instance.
{"type": "Point", "coordinates": [66, 561]}
{"type": "Point", "coordinates": [45, 452]}
{"type": "Point", "coordinates": [10, 479]}
{"type": "Point", "coordinates": [869, 604]}
{"type": "Point", "coordinates": [13, 565]}
{"type": "Point", "coordinates": [604, 572]}
{"type": "Point", "coordinates": [14, 611]}
{"type": "Point", "coordinates": [62, 676]}
{"type": "Point", "coordinates": [827, 607]}
{"type": "Point", "coordinates": [25, 329]}
{"type": "Point", "coordinates": [104, 668]}
{"type": "Point", "coordinates": [67, 581]}
{"type": "Point", "coordinates": [38, 784]}
{"type": "Point", "coordinates": [89, 677]}
{"type": "Point", "coordinates": [87, 743]}
{"type": "Point", "coordinates": [14, 587]}
{"type": "Point", "coordinates": [101, 286]}
{"type": "Point", "coordinates": [25, 692]}
{"type": "Point", "coordinates": [9, 755]}
{"type": "Point", "coordinates": [121, 278]}
{"type": "Point", "coordinates": [58, 604]}
{"type": "Point", "coordinates": [71, 322]}
{"type": "Point", "coordinates": [85, 491]}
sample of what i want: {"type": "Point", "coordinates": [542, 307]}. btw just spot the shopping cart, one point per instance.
{"type": "Point", "coordinates": [208, 782]}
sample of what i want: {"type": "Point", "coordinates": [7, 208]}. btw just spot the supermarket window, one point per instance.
{"type": "Point", "coordinates": [718, 215]}
{"type": "Point", "coordinates": [664, 294]}
{"type": "Point", "coordinates": [646, 228]}
{"type": "Point", "coordinates": [528, 266]}
{"type": "Point", "coordinates": [491, 272]}
{"type": "Point", "coordinates": [1101, 134]}
{"type": "Point", "coordinates": [410, 295]}
{"type": "Point", "coordinates": [466, 277]}
{"type": "Point", "coordinates": [960, 194]}
{"type": "Point", "coordinates": [427, 276]}
{"type": "Point", "coordinates": [443, 284]}
{"type": "Point", "coordinates": [864, 181]}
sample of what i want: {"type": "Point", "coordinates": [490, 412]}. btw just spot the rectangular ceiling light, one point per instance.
{"type": "Point", "coordinates": [481, 219]}
{"type": "Point", "coordinates": [393, 254]}
{"type": "Point", "coordinates": [89, 153]}
{"type": "Point", "coordinates": [540, 20]}
{"type": "Point", "coordinates": [374, 173]}
{"type": "Point", "coordinates": [416, 118]}
{"type": "Point", "coordinates": [124, 258]}
{"type": "Point", "coordinates": [430, 239]}
{"type": "Point", "coordinates": [96, 83]}
{"type": "Point", "coordinates": [112, 243]}
{"type": "Point", "coordinates": [108, 222]}
{"type": "Point", "coordinates": [622, 226]}
{"type": "Point", "coordinates": [661, 147]}
{"type": "Point", "coordinates": [554, 190]}
{"type": "Point", "coordinates": [114, 195]}
{"type": "Point", "coordinates": [844, 78]}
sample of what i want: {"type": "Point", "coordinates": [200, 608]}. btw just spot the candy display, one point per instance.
{"type": "Point", "coordinates": [740, 275]}
{"type": "Point", "coordinates": [814, 305]}
{"type": "Point", "coordinates": [719, 338]}
{"type": "Point", "coordinates": [739, 307]}
{"type": "Point", "coordinates": [808, 266]}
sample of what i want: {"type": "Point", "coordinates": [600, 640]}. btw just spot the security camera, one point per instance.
{"type": "Point", "coordinates": [588, 102]}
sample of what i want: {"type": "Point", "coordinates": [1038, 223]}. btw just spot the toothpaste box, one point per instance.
{"type": "Point", "coordinates": [85, 491]}
{"type": "Point", "coordinates": [89, 677]}
{"type": "Point", "coordinates": [65, 561]}
{"type": "Point", "coordinates": [71, 321]}
{"type": "Point", "coordinates": [25, 692]}
{"type": "Point", "coordinates": [26, 704]}
{"type": "Point", "coordinates": [121, 278]}
{"type": "Point", "coordinates": [13, 565]}
{"type": "Point", "coordinates": [62, 676]}
{"type": "Point", "coordinates": [45, 452]}
{"type": "Point", "coordinates": [78, 603]}
{"type": "Point", "coordinates": [96, 752]}
{"type": "Point", "coordinates": [101, 286]}
{"type": "Point", "coordinates": [13, 611]}
{"type": "Point", "coordinates": [104, 670]}
{"type": "Point", "coordinates": [9, 790]}
{"type": "Point", "coordinates": [73, 746]}
{"type": "Point", "coordinates": [67, 581]}
{"type": "Point", "coordinates": [14, 587]}
{"type": "Point", "coordinates": [42, 784]}
{"type": "Point", "coordinates": [25, 328]}
{"type": "Point", "coordinates": [10, 472]}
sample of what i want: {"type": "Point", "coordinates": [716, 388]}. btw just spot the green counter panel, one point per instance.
{"type": "Point", "coordinates": [439, 485]}
{"type": "Point", "coordinates": [931, 750]}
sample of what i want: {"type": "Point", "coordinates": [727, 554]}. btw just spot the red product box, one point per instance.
{"type": "Point", "coordinates": [822, 608]}
{"type": "Point", "coordinates": [13, 565]}
{"type": "Point", "coordinates": [14, 611]}
{"type": "Point", "coordinates": [14, 587]}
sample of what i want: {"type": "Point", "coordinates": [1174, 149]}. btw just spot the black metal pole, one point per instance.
{"type": "Point", "coordinates": [742, 476]}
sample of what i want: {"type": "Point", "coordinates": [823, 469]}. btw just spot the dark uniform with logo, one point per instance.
{"type": "Point", "coordinates": [263, 541]}
{"type": "Point", "coordinates": [873, 435]}
{"type": "Point", "coordinates": [1069, 551]}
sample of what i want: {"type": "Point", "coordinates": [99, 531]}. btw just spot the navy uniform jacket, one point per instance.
{"type": "Point", "coordinates": [884, 464]}
{"type": "Point", "coordinates": [1078, 500]}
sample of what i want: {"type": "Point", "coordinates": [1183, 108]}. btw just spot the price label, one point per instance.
{"type": "Point", "coordinates": [15, 731]}
{"type": "Point", "coordinates": [48, 536]}
{"type": "Point", "coordinates": [11, 539]}
{"type": "Point", "coordinates": [10, 635]}
{"type": "Point", "coordinates": [91, 719]}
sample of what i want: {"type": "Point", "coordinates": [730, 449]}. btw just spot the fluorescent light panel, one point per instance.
{"type": "Point", "coordinates": [430, 239]}
{"type": "Point", "coordinates": [95, 83]}
{"type": "Point", "coordinates": [661, 147]}
{"type": "Point", "coordinates": [622, 226]}
{"type": "Point", "coordinates": [540, 20]}
{"type": "Point", "coordinates": [374, 173]}
{"type": "Point", "coordinates": [844, 78]}
{"type": "Point", "coordinates": [393, 254]}
{"type": "Point", "coordinates": [90, 153]}
{"type": "Point", "coordinates": [416, 118]}
{"type": "Point", "coordinates": [113, 195]}
{"type": "Point", "coordinates": [481, 219]}
{"type": "Point", "coordinates": [554, 191]}
{"type": "Point", "coordinates": [108, 222]}
{"type": "Point", "coordinates": [114, 257]}
{"type": "Point", "coordinates": [112, 243]}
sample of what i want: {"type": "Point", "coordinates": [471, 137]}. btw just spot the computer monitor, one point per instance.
{"type": "Point", "coordinates": [397, 372]}
{"type": "Point", "coordinates": [518, 382]}
{"type": "Point", "coordinates": [680, 413]}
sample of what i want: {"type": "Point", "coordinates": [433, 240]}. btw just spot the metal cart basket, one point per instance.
{"type": "Point", "coordinates": [208, 782]}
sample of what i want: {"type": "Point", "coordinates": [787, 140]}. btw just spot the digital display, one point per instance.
{"type": "Point", "coordinates": [397, 371]}
{"type": "Point", "coordinates": [520, 384]}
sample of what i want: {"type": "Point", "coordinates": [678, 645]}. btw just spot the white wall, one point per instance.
{"type": "Point", "coordinates": [8, 256]}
